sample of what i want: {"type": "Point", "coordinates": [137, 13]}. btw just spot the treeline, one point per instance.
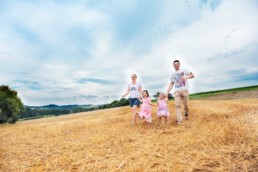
{"type": "Point", "coordinates": [30, 112]}
{"type": "Point", "coordinates": [116, 103]}
{"type": "Point", "coordinates": [37, 112]}
{"type": "Point", "coordinates": [12, 108]}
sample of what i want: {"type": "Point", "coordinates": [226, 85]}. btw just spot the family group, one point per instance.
{"type": "Point", "coordinates": [178, 81]}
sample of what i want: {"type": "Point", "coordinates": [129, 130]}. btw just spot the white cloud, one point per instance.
{"type": "Point", "coordinates": [205, 39]}
{"type": "Point", "coordinates": [54, 45]}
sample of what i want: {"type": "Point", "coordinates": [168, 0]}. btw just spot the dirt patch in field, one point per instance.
{"type": "Point", "coordinates": [234, 95]}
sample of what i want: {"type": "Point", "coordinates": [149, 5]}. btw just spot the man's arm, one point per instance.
{"type": "Point", "coordinates": [166, 97]}
{"type": "Point", "coordinates": [170, 87]}
{"type": "Point", "coordinates": [190, 76]}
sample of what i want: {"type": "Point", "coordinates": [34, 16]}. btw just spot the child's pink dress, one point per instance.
{"type": "Point", "coordinates": [163, 108]}
{"type": "Point", "coordinates": [145, 111]}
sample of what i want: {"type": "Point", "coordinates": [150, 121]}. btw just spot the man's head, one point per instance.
{"type": "Point", "coordinates": [176, 64]}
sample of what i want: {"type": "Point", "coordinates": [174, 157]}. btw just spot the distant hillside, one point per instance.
{"type": "Point", "coordinates": [33, 112]}
{"type": "Point", "coordinates": [54, 106]}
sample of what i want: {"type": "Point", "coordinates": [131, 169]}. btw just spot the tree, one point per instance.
{"type": "Point", "coordinates": [156, 95]}
{"type": "Point", "coordinates": [10, 105]}
{"type": "Point", "coordinates": [121, 102]}
{"type": "Point", "coordinates": [170, 96]}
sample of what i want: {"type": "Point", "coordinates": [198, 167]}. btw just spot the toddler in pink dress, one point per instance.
{"type": "Point", "coordinates": [145, 112]}
{"type": "Point", "coordinates": [162, 107]}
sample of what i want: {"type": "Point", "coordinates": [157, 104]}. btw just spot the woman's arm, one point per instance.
{"type": "Point", "coordinates": [140, 89]}
{"type": "Point", "coordinates": [140, 99]}
{"type": "Point", "coordinates": [127, 92]}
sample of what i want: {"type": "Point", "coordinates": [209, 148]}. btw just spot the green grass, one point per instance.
{"type": "Point", "coordinates": [212, 93]}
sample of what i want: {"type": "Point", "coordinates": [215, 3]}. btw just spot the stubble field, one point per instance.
{"type": "Point", "coordinates": [221, 135]}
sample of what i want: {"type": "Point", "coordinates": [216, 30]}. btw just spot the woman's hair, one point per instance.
{"type": "Point", "coordinates": [134, 75]}
{"type": "Point", "coordinates": [146, 92]}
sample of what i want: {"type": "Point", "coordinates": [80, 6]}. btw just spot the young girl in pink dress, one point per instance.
{"type": "Point", "coordinates": [145, 112]}
{"type": "Point", "coordinates": [162, 107]}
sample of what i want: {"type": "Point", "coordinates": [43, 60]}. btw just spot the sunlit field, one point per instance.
{"type": "Point", "coordinates": [220, 135]}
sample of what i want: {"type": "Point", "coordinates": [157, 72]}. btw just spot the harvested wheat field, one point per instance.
{"type": "Point", "coordinates": [221, 135]}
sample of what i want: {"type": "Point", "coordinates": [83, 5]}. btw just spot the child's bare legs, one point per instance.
{"type": "Point", "coordinates": [160, 119]}
{"type": "Point", "coordinates": [142, 119]}
{"type": "Point", "coordinates": [166, 119]}
{"type": "Point", "coordinates": [148, 121]}
{"type": "Point", "coordinates": [149, 124]}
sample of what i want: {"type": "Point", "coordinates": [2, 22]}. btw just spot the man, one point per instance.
{"type": "Point", "coordinates": [179, 79]}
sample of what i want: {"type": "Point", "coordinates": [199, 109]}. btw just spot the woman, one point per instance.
{"type": "Point", "coordinates": [134, 90]}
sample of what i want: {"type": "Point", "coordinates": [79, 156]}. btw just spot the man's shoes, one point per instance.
{"type": "Point", "coordinates": [179, 123]}
{"type": "Point", "coordinates": [186, 116]}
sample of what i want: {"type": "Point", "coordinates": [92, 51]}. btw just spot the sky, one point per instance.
{"type": "Point", "coordinates": [84, 51]}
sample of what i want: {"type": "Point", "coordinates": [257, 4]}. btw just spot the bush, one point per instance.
{"type": "Point", "coordinates": [10, 105]}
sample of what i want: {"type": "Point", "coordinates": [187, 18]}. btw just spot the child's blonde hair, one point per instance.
{"type": "Point", "coordinates": [162, 95]}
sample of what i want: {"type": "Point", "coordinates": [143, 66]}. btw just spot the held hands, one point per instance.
{"type": "Point", "coordinates": [166, 97]}
{"type": "Point", "coordinates": [140, 99]}
{"type": "Point", "coordinates": [183, 78]}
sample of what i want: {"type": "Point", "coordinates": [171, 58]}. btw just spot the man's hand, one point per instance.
{"type": "Point", "coordinates": [183, 78]}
